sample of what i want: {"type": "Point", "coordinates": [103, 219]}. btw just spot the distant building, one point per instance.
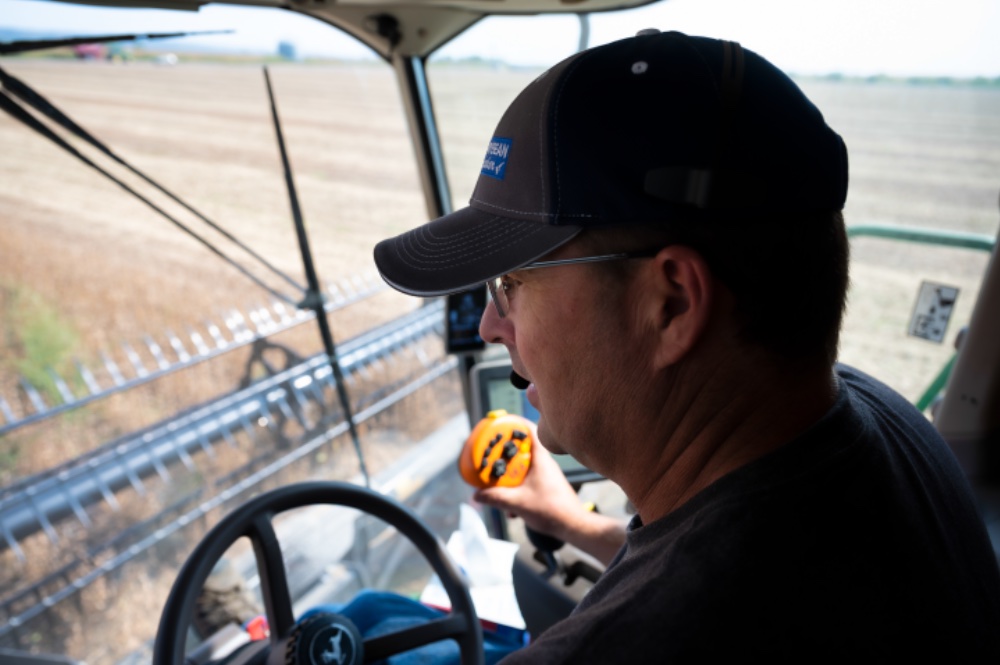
{"type": "Point", "coordinates": [288, 51]}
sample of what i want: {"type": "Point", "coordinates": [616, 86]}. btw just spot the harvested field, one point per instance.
{"type": "Point", "coordinates": [102, 268]}
{"type": "Point", "coordinates": [84, 267]}
{"type": "Point", "coordinates": [110, 270]}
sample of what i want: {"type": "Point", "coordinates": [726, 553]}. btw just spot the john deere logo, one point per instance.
{"type": "Point", "coordinates": [334, 644]}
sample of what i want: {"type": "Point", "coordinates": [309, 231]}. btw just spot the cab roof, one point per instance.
{"type": "Point", "coordinates": [402, 27]}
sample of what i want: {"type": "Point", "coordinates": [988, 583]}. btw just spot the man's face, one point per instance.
{"type": "Point", "coordinates": [567, 333]}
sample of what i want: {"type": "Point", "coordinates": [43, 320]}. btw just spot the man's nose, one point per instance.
{"type": "Point", "coordinates": [491, 327]}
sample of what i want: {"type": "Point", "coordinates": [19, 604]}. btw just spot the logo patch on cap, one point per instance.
{"type": "Point", "coordinates": [495, 163]}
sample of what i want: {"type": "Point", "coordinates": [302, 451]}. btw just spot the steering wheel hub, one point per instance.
{"type": "Point", "coordinates": [326, 638]}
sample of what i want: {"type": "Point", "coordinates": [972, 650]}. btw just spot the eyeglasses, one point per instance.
{"type": "Point", "coordinates": [499, 288]}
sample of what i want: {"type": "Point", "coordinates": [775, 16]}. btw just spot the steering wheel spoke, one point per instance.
{"type": "Point", "coordinates": [383, 646]}
{"type": "Point", "coordinates": [273, 580]}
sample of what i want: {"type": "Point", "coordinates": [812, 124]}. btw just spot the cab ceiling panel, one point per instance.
{"type": "Point", "coordinates": [403, 27]}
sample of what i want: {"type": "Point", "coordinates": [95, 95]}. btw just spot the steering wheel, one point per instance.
{"type": "Point", "coordinates": [254, 521]}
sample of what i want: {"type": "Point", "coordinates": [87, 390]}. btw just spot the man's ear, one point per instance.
{"type": "Point", "coordinates": [683, 286]}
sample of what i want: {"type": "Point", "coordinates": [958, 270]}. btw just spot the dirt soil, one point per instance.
{"type": "Point", "coordinates": [85, 268]}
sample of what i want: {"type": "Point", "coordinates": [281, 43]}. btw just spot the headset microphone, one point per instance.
{"type": "Point", "coordinates": [519, 381]}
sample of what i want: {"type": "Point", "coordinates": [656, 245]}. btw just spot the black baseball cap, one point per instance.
{"type": "Point", "coordinates": [657, 128]}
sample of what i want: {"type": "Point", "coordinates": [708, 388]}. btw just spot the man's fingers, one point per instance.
{"type": "Point", "coordinates": [491, 497]}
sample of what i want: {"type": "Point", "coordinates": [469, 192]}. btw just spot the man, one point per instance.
{"type": "Point", "coordinates": [658, 221]}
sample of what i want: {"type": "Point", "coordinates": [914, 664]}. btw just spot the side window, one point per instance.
{"type": "Point", "coordinates": [919, 159]}
{"type": "Point", "coordinates": [920, 130]}
{"type": "Point", "coordinates": [920, 147]}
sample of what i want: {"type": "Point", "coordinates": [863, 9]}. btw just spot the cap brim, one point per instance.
{"type": "Point", "coordinates": [464, 249]}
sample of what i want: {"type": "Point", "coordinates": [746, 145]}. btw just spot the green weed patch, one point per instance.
{"type": "Point", "coordinates": [39, 338]}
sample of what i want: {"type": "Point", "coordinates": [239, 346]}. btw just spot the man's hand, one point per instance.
{"type": "Point", "coordinates": [548, 504]}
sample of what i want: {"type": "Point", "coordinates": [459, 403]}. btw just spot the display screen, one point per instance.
{"type": "Point", "coordinates": [464, 311]}
{"type": "Point", "coordinates": [503, 395]}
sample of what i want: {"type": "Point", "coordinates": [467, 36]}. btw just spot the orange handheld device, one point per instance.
{"type": "Point", "coordinates": [498, 452]}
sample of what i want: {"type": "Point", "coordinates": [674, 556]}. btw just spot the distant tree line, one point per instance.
{"type": "Point", "coordinates": [978, 81]}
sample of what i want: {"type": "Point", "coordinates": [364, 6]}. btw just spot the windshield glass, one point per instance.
{"type": "Point", "coordinates": [147, 385]}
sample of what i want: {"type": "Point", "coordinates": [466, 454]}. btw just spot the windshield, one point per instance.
{"type": "Point", "coordinates": [147, 385]}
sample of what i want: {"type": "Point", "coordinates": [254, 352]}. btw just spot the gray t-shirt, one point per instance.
{"type": "Point", "coordinates": [857, 541]}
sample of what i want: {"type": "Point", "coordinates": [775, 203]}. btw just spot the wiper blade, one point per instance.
{"type": "Point", "coordinates": [9, 105]}
{"type": "Point", "coordinates": [28, 95]}
{"type": "Point", "coordinates": [26, 46]}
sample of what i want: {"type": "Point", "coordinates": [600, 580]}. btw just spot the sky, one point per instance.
{"type": "Point", "coordinates": [854, 37]}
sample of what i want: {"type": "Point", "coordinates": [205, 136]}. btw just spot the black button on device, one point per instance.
{"type": "Point", "coordinates": [509, 450]}
{"type": "Point", "coordinates": [518, 435]}
{"type": "Point", "coordinates": [499, 468]}
{"type": "Point", "coordinates": [489, 448]}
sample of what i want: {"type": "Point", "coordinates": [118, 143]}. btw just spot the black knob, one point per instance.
{"type": "Point", "coordinates": [499, 468]}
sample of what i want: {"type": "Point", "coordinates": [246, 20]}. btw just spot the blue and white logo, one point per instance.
{"type": "Point", "coordinates": [495, 163]}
